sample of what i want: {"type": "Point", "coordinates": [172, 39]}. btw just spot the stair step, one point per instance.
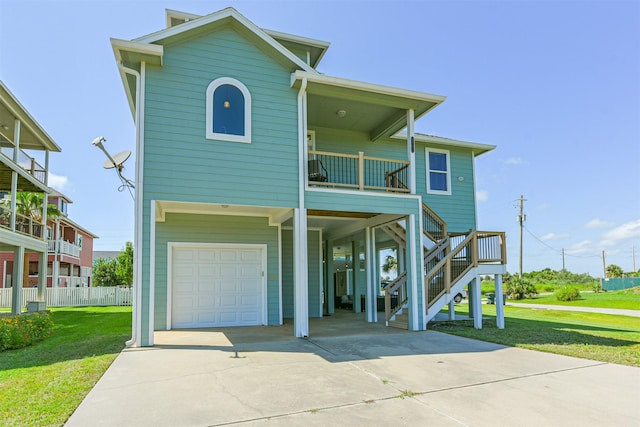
{"type": "Point", "coordinates": [399, 324]}
{"type": "Point", "coordinates": [401, 321]}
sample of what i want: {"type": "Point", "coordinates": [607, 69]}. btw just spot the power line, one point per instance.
{"type": "Point", "coordinates": [560, 251]}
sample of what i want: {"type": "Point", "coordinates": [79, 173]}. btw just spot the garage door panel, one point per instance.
{"type": "Point", "coordinates": [216, 287]}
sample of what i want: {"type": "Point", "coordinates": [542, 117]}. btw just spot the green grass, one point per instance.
{"type": "Point", "coordinates": [43, 384]}
{"type": "Point", "coordinates": [602, 337]}
{"type": "Point", "coordinates": [617, 299]}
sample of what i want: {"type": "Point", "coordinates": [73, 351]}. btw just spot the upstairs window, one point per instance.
{"type": "Point", "coordinates": [228, 111]}
{"type": "Point", "coordinates": [438, 171]}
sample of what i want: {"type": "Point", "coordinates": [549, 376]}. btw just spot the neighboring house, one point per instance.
{"type": "Point", "coordinates": [22, 139]}
{"type": "Point", "coordinates": [265, 189]}
{"type": "Point", "coordinates": [70, 252]}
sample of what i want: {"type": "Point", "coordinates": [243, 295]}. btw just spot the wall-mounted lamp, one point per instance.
{"type": "Point", "coordinates": [461, 178]}
{"type": "Point", "coordinates": [341, 113]}
{"type": "Point", "coordinates": [5, 127]}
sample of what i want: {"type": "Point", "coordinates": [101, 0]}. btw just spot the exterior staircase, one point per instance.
{"type": "Point", "coordinates": [451, 262]}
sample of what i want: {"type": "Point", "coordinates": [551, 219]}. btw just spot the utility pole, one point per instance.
{"type": "Point", "coordinates": [521, 219]}
{"type": "Point", "coordinates": [604, 266]}
{"type": "Point", "coordinates": [563, 259]}
{"type": "Point", "coordinates": [633, 254]}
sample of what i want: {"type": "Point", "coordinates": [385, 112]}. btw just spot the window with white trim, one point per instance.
{"type": "Point", "coordinates": [438, 171]}
{"type": "Point", "coordinates": [228, 111]}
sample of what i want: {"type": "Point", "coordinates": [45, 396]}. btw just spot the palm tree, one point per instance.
{"type": "Point", "coordinates": [29, 205]}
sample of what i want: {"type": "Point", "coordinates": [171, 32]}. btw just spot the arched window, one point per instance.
{"type": "Point", "coordinates": [228, 111]}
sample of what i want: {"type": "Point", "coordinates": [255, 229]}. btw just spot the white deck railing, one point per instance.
{"type": "Point", "coordinates": [65, 297]}
{"type": "Point", "coordinates": [64, 248]}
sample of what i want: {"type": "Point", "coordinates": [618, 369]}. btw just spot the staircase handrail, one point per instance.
{"type": "Point", "coordinates": [429, 216]}
{"type": "Point", "coordinates": [390, 289]}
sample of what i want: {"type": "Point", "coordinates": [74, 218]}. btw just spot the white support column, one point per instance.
{"type": "Point", "coordinates": [413, 273]}
{"type": "Point", "coordinates": [16, 282]}
{"type": "Point", "coordinates": [300, 274]}
{"type": "Point", "coordinates": [355, 275]}
{"type": "Point", "coordinates": [331, 290]}
{"type": "Point", "coordinates": [499, 302]}
{"type": "Point", "coordinates": [42, 276]}
{"type": "Point", "coordinates": [452, 309]}
{"type": "Point", "coordinates": [411, 150]}
{"type": "Point", "coordinates": [371, 274]}
{"type": "Point", "coordinates": [477, 303]}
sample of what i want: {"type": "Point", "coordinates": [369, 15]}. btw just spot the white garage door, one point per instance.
{"type": "Point", "coordinates": [216, 286]}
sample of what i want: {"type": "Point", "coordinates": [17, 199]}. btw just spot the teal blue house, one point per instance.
{"type": "Point", "coordinates": [266, 191]}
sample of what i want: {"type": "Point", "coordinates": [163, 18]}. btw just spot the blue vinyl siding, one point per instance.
{"type": "Point", "coordinates": [181, 164]}
{"type": "Point", "coordinates": [458, 209]}
{"type": "Point", "coordinates": [215, 229]}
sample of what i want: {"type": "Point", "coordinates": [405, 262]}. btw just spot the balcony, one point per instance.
{"type": "Point", "coordinates": [64, 248]}
{"type": "Point", "coordinates": [357, 172]}
{"type": "Point", "coordinates": [24, 224]}
{"type": "Point", "coordinates": [26, 162]}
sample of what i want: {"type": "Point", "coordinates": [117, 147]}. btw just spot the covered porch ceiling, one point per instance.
{"type": "Point", "coordinates": [32, 135]}
{"type": "Point", "coordinates": [380, 111]}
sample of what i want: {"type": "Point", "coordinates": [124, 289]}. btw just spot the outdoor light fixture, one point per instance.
{"type": "Point", "coordinates": [341, 113]}
{"type": "Point", "coordinates": [5, 127]}
{"type": "Point", "coordinates": [115, 162]}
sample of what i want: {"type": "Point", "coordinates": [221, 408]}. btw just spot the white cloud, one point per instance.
{"type": "Point", "coordinates": [482, 195]}
{"type": "Point", "coordinates": [630, 230]}
{"type": "Point", "coordinates": [513, 161]}
{"type": "Point", "coordinates": [58, 182]}
{"type": "Point", "coordinates": [554, 236]}
{"type": "Point", "coordinates": [586, 246]}
{"type": "Point", "coordinates": [598, 223]}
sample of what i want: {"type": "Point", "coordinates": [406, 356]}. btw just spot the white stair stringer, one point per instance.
{"type": "Point", "coordinates": [446, 298]}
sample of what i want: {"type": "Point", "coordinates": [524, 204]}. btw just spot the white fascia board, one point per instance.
{"type": "Point", "coordinates": [366, 87]}
{"type": "Point", "coordinates": [217, 16]}
{"type": "Point", "coordinates": [298, 39]}
{"type": "Point", "coordinates": [120, 45]}
{"type": "Point", "coordinates": [482, 148]}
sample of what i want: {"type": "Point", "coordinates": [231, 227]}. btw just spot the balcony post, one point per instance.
{"type": "Point", "coordinates": [360, 170]}
{"type": "Point", "coordinates": [411, 151]}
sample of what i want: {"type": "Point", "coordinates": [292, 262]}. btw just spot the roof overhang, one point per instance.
{"type": "Point", "coordinates": [477, 148]}
{"type": "Point", "coordinates": [316, 48]}
{"type": "Point", "coordinates": [377, 109]}
{"type": "Point", "coordinates": [130, 55]}
{"type": "Point", "coordinates": [32, 135]}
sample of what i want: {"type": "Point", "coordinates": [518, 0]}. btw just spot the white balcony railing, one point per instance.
{"type": "Point", "coordinates": [64, 248]}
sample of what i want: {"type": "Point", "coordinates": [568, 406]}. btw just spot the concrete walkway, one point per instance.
{"type": "Point", "coordinates": [618, 311]}
{"type": "Point", "coordinates": [374, 376]}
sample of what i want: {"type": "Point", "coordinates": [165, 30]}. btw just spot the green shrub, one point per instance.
{"type": "Point", "coordinates": [568, 293]}
{"type": "Point", "coordinates": [24, 329]}
{"type": "Point", "coordinates": [548, 288]}
{"type": "Point", "coordinates": [520, 288]}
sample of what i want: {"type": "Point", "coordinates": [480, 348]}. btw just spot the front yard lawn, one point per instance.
{"type": "Point", "coordinates": [43, 384]}
{"type": "Point", "coordinates": [626, 299]}
{"type": "Point", "coordinates": [603, 337]}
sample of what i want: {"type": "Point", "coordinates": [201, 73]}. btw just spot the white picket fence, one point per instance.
{"type": "Point", "coordinates": [66, 297]}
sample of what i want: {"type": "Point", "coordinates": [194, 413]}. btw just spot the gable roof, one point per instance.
{"type": "Point", "coordinates": [223, 17]}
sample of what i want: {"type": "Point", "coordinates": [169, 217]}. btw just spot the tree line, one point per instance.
{"type": "Point", "coordinates": [114, 271]}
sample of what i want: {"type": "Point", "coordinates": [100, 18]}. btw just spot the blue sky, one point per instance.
{"type": "Point", "coordinates": [554, 84]}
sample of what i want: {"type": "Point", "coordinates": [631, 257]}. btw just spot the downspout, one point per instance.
{"type": "Point", "coordinates": [137, 237]}
{"type": "Point", "coordinates": [301, 297]}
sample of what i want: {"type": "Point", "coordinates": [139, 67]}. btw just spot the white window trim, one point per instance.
{"type": "Point", "coordinates": [448, 154]}
{"type": "Point", "coordinates": [210, 134]}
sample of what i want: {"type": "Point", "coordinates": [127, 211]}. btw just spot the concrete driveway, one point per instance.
{"type": "Point", "coordinates": [374, 376]}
